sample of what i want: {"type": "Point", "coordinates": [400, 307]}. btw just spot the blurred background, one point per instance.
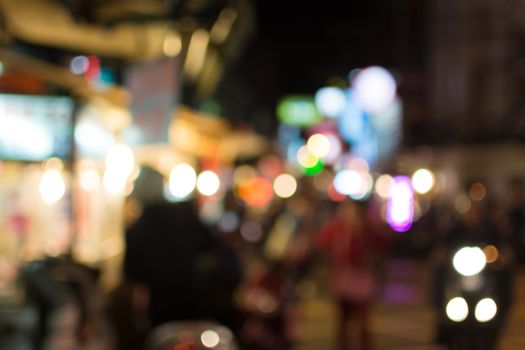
{"type": "Point", "coordinates": [174, 174]}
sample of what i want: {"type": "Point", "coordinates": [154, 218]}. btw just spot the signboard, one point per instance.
{"type": "Point", "coordinates": [153, 88]}
{"type": "Point", "coordinates": [298, 111]}
{"type": "Point", "coordinates": [35, 128]}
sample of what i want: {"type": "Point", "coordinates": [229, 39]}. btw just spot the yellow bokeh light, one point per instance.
{"type": "Point", "coordinates": [318, 145]}
{"type": "Point", "coordinates": [491, 253]}
{"type": "Point", "coordinates": [477, 191]}
{"type": "Point", "coordinates": [285, 185]}
{"type": "Point", "coordinates": [305, 158]}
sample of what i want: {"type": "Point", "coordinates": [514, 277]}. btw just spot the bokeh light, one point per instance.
{"type": "Point", "coordinates": [477, 192]}
{"type": "Point", "coordinates": [485, 310]}
{"type": "Point", "coordinates": [256, 192]}
{"type": "Point", "coordinates": [285, 185]}
{"type": "Point", "coordinates": [491, 253]}
{"type": "Point", "coordinates": [270, 166]}
{"type": "Point", "coordinates": [305, 158]}
{"type": "Point", "coordinates": [335, 149]}
{"type": "Point", "coordinates": [358, 164]}
{"type": "Point", "coordinates": [182, 181]}
{"type": "Point", "coordinates": [251, 231]}
{"type": "Point", "coordinates": [208, 183]}
{"type": "Point", "coordinates": [462, 204]}
{"type": "Point", "coordinates": [375, 88]}
{"type": "Point", "coordinates": [52, 186]}
{"type": "Point", "coordinates": [120, 160]}
{"type": "Point", "coordinates": [330, 101]}
{"type": "Point", "coordinates": [469, 261]}
{"type": "Point", "coordinates": [314, 170]}
{"type": "Point", "coordinates": [347, 181]}
{"type": "Point", "coordinates": [382, 185]}
{"type": "Point", "coordinates": [457, 309]}
{"type": "Point", "coordinates": [400, 209]}
{"type": "Point", "coordinates": [79, 65]}
{"type": "Point", "coordinates": [334, 195]}
{"type": "Point", "coordinates": [210, 338]}
{"type": "Point", "coordinates": [318, 145]}
{"type": "Point", "coordinates": [423, 181]}
{"type": "Point", "coordinates": [243, 173]}
{"type": "Point", "coordinates": [229, 222]}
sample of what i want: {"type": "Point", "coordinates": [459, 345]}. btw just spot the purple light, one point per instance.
{"type": "Point", "coordinates": [400, 209]}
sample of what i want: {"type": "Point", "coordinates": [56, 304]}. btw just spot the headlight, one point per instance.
{"type": "Point", "coordinates": [457, 309]}
{"type": "Point", "coordinates": [486, 309]}
{"type": "Point", "coordinates": [469, 261]}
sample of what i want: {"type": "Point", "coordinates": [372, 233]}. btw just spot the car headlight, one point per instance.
{"type": "Point", "coordinates": [485, 310]}
{"type": "Point", "coordinates": [457, 309]}
{"type": "Point", "coordinates": [469, 261]}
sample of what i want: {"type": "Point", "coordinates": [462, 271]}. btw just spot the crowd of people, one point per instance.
{"type": "Point", "coordinates": [176, 268]}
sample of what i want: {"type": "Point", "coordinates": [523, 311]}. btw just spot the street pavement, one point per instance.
{"type": "Point", "coordinates": [402, 317]}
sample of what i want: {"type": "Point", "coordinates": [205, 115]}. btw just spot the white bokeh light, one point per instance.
{"type": "Point", "coordinates": [210, 338]}
{"type": "Point", "coordinates": [469, 261]}
{"type": "Point", "coordinates": [79, 65]}
{"type": "Point", "coordinates": [335, 149]}
{"type": "Point", "coordinates": [208, 183]}
{"type": "Point", "coordinates": [52, 186]}
{"type": "Point", "coordinates": [120, 160]}
{"type": "Point", "coordinates": [423, 181]}
{"type": "Point", "coordinates": [382, 185]}
{"type": "Point", "coordinates": [457, 309]}
{"type": "Point", "coordinates": [285, 185]}
{"type": "Point", "coordinates": [330, 101]}
{"type": "Point", "coordinates": [485, 310]}
{"type": "Point", "coordinates": [375, 88]}
{"type": "Point", "coordinates": [355, 184]}
{"type": "Point", "coordinates": [182, 181]}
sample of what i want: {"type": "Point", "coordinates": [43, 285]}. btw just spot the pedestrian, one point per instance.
{"type": "Point", "coordinates": [354, 243]}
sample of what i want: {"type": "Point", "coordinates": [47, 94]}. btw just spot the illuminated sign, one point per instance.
{"type": "Point", "coordinates": [35, 128]}
{"type": "Point", "coordinates": [298, 111]}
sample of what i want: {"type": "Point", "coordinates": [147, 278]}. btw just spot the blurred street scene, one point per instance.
{"type": "Point", "coordinates": [260, 175]}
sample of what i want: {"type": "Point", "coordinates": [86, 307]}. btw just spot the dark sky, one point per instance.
{"type": "Point", "coordinates": [299, 46]}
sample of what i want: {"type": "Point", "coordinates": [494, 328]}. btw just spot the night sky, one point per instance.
{"type": "Point", "coordinates": [301, 47]}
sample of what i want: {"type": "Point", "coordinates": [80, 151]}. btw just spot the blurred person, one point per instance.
{"type": "Point", "coordinates": [174, 267]}
{"type": "Point", "coordinates": [354, 242]}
